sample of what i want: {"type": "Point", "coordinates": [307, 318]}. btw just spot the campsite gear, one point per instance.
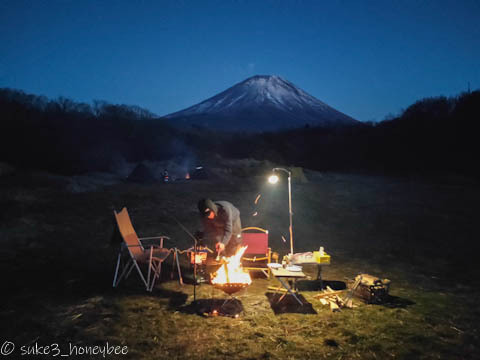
{"type": "Point", "coordinates": [371, 289]}
{"type": "Point", "coordinates": [284, 276]}
{"type": "Point", "coordinates": [199, 260]}
{"type": "Point", "coordinates": [195, 249]}
{"type": "Point", "coordinates": [293, 268]}
{"type": "Point", "coordinates": [301, 258]}
{"type": "Point", "coordinates": [175, 259]}
{"type": "Point", "coordinates": [230, 276]}
{"type": "Point", "coordinates": [319, 258]}
{"type": "Point", "coordinates": [231, 288]}
{"type": "Point", "coordinates": [136, 250]}
{"type": "Point", "coordinates": [274, 265]}
{"type": "Point", "coordinates": [141, 174]}
{"type": "Point", "coordinates": [200, 256]}
{"type": "Point", "coordinates": [257, 249]}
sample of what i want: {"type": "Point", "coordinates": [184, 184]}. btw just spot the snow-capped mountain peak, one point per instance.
{"type": "Point", "coordinates": [264, 101]}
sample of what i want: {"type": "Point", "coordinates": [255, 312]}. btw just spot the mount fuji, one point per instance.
{"type": "Point", "coordinates": [261, 103]}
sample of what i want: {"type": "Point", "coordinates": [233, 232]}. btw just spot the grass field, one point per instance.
{"type": "Point", "coordinates": [57, 266]}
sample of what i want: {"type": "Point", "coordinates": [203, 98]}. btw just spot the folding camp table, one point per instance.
{"type": "Point", "coordinates": [319, 260]}
{"type": "Point", "coordinates": [288, 279]}
{"type": "Point", "coordinates": [319, 270]}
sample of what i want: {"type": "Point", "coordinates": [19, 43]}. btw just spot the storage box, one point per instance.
{"type": "Point", "coordinates": [321, 259]}
{"type": "Point", "coordinates": [372, 289]}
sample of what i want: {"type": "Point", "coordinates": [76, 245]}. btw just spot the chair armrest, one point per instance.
{"type": "Point", "coordinates": [160, 238]}
{"type": "Point", "coordinates": [261, 258]}
{"type": "Point", "coordinates": [154, 237]}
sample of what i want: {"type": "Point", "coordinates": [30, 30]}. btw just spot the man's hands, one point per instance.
{"type": "Point", "coordinates": [219, 247]}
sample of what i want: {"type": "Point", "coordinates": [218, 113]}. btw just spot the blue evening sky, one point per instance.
{"type": "Point", "coordinates": [364, 58]}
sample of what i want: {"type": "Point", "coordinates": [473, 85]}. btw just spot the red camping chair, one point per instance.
{"type": "Point", "coordinates": [258, 254]}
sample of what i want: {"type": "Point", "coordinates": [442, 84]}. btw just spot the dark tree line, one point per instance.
{"type": "Point", "coordinates": [68, 137]}
{"type": "Point", "coordinates": [434, 135]}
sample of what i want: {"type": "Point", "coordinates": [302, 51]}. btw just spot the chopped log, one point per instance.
{"type": "Point", "coordinates": [349, 296]}
{"type": "Point", "coordinates": [326, 294]}
{"type": "Point", "coordinates": [277, 288]}
{"type": "Point", "coordinates": [339, 300]}
{"type": "Point", "coordinates": [334, 306]}
{"type": "Point", "coordinates": [349, 303]}
{"type": "Point", "coordinates": [323, 301]}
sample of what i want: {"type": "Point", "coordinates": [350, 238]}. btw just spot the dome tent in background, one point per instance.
{"type": "Point", "coordinates": [141, 174]}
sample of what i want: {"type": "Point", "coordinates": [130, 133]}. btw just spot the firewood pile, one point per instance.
{"type": "Point", "coordinates": [334, 300]}
{"type": "Point", "coordinates": [368, 288]}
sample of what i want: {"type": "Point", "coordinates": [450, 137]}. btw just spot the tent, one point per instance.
{"type": "Point", "coordinates": [141, 174]}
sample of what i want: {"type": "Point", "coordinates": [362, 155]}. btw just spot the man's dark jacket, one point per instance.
{"type": "Point", "coordinates": [225, 226]}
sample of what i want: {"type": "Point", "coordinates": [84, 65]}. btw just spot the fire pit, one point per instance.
{"type": "Point", "coordinates": [230, 276]}
{"type": "Point", "coordinates": [230, 288]}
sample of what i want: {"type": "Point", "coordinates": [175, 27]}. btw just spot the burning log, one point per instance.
{"type": "Point", "coordinates": [231, 277]}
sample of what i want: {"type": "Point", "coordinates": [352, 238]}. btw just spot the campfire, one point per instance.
{"type": "Point", "coordinates": [231, 277]}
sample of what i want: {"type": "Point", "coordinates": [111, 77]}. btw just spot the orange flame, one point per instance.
{"type": "Point", "coordinates": [187, 176]}
{"type": "Point", "coordinates": [232, 271]}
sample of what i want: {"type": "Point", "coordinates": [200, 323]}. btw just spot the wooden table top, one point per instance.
{"type": "Point", "coordinates": [281, 272]}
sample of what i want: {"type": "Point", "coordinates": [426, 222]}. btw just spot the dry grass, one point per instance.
{"type": "Point", "coordinates": [57, 266]}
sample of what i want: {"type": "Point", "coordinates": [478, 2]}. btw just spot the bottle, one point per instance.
{"type": "Point", "coordinates": [322, 252]}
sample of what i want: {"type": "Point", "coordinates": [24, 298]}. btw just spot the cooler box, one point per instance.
{"type": "Point", "coordinates": [321, 259]}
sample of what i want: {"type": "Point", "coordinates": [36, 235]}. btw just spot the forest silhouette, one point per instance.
{"type": "Point", "coordinates": [433, 135]}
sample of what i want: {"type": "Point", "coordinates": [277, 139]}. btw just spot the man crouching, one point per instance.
{"type": "Point", "coordinates": [221, 225]}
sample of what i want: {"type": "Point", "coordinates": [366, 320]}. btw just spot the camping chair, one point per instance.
{"type": "Point", "coordinates": [257, 243]}
{"type": "Point", "coordinates": [138, 253]}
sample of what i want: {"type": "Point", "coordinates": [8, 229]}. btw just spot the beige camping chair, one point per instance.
{"type": "Point", "coordinates": [138, 253]}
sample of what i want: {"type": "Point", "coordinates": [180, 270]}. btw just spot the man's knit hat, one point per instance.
{"type": "Point", "coordinates": [205, 205]}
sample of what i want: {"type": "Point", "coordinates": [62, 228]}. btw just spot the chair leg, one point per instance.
{"type": "Point", "coordinates": [269, 261]}
{"type": "Point", "coordinates": [116, 269]}
{"type": "Point", "coordinates": [151, 281]}
{"type": "Point", "coordinates": [178, 267]}
{"type": "Point", "coordinates": [140, 273]}
{"type": "Point", "coordinates": [149, 267]}
{"type": "Point", "coordinates": [159, 266]}
{"type": "Point", "coordinates": [156, 274]}
{"type": "Point", "coordinates": [173, 265]}
{"type": "Point", "coordinates": [132, 265]}
{"type": "Point", "coordinates": [125, 272]}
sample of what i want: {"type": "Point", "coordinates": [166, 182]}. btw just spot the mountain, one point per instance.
{"type": "Point", "coordinates": [261, 103]}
